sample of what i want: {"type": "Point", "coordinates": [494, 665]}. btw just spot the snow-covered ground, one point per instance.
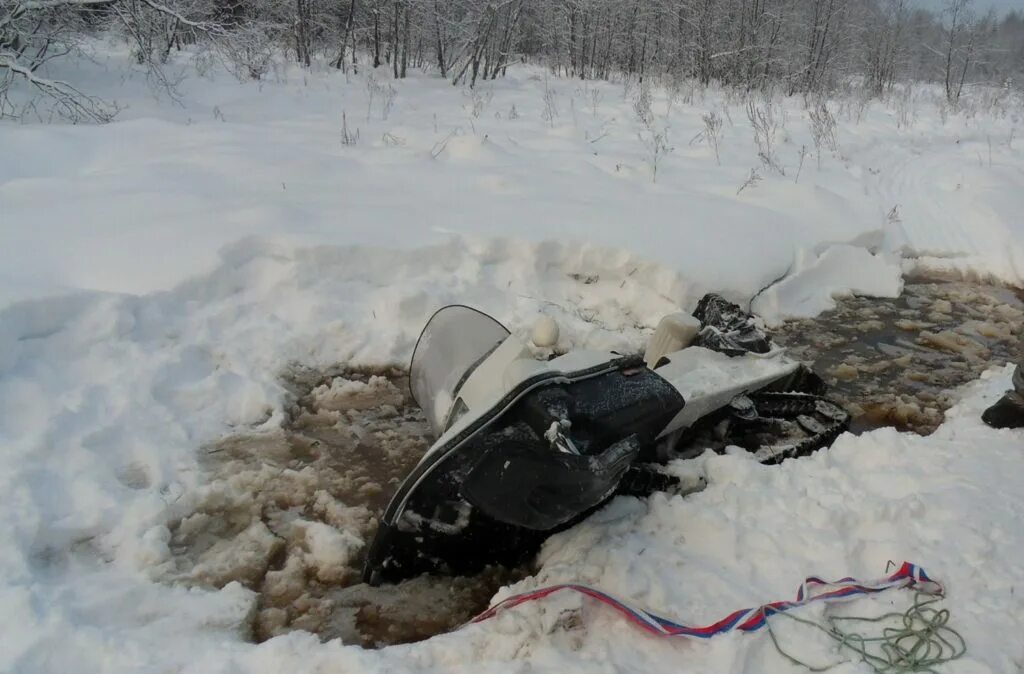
{"type": "Point", "coordinates": [158, 274]}
{"type": "Point", "coordinates": [146, 202]}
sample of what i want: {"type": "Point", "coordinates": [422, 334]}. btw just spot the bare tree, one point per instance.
{"type": "Point", "coordinates": [963, 32]}
{"type": "Point", "coordinates": [808, 46]}
{"type": "Point", "coordinates": [884, 40]}
{"type": "Point", "coordinates": [958, 18]}
{"type": "Point", "coordinates": [33, 32]}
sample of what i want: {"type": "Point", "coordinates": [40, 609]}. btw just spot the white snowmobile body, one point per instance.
{"type": "Point", "coordinates": [526, 447]}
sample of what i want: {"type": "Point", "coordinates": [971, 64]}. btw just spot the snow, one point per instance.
{"type": "Point", "coordinates": [344, 393]}
{"type": "Point", "coordinates": [815, 281]}
{"type": "Point", "coordinates": [158, 275]}
{"type": "Point", "coordinates": [242, 558]}
{"type": "Point", "coordinates": [329, 550]}
{"type": "Point", "coordinates": [950, 502]}
{"type": "Point", "coordinates": [146, 202]}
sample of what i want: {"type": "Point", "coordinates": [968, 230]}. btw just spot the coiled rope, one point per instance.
{"type": "Point", "coordinates": [917, 640]}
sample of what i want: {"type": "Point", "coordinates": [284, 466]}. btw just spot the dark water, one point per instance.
{"type": "Point", "coordinates": [350, 437]}
{"type": "Point", "coordinates": [896, 362]}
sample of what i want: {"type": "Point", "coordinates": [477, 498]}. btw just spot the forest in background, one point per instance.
{"type": "Point", "coordinates": [792, 46]}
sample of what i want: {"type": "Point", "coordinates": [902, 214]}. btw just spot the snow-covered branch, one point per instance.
{"type": "Point", "coordinates": [70, 102]}
{"type": "Point", "coordinates": [164, 9]}
{"type": "Point", "coordinates": [28, 5]}
{"type": "Point", "coordinates": [22, 7]}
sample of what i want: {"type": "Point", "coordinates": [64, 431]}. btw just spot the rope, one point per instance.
{"type": "Point", "coordinates": [812, 590]}
{"type": "Point", "coordinates": [921, 641]}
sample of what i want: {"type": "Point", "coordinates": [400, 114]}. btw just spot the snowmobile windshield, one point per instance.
{"type": "Point", "coordinates": [455, 340]}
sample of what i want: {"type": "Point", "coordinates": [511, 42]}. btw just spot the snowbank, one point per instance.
{"type": "Point", "coordinates": [146, 202]}
{"type": "Point", "coordinates": [161, 272]}
{"type": "Point", "coordinates": [815, 281]}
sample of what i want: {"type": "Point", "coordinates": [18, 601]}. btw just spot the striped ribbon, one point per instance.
{"type": "Point", "coordinates": [812, 590]}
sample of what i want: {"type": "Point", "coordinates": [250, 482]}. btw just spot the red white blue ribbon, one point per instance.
{"type": "Point", "coordinates": [812, 590]}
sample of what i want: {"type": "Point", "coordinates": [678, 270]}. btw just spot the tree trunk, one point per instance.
{"type": "Point", "coordinates": [439, 41]}
{"type": "Point", "coordinates": [376, 36]}
{"type": "Point", "coordinates": [340, 61]}
{"type": "Point", "coordinates": [405, 42]}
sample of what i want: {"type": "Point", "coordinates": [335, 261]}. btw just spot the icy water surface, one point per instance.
{"type": "Point", "coordinates": [895, 362]}
{"type": "Point", "coordinates": [290, 514]}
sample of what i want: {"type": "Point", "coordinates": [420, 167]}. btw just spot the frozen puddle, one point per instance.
{"type": "Point", "coordinates": [289, 515]}
{"type": "Point", "coordinates": [894, 362]}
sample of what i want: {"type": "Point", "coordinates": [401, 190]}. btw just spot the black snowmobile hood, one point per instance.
{"type": "Point", "coordinates": [456, 436]}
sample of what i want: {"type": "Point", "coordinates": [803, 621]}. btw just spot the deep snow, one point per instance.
{"type": "Point", "coordinates": [143, 203]}
{"type": "Point", "coordinates": [142, 320]}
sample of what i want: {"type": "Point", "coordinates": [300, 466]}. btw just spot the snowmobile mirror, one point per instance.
{"type": "Point", "coordinates": [544, 333]}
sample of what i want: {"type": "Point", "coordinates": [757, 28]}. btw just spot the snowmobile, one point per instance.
{"type": "Point", "coordinates": [527, 447]}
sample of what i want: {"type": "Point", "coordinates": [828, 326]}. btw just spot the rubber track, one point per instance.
{"type": "Point", "coordinates": [777, 407]}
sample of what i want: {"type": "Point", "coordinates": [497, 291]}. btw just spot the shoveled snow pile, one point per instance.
{"type": "Point", "coordinates": [815, 281]}
{"type": "Point", "coordinates": [160, 275]}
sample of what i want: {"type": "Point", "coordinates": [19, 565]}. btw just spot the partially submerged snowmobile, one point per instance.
{"type": "Point", "coordinates": [527, 447]}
